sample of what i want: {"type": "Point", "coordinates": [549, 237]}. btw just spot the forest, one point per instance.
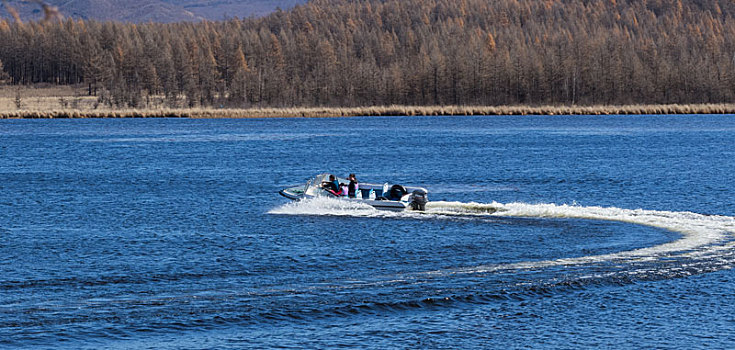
{"type": "Point", "coordinates": [347, 53]}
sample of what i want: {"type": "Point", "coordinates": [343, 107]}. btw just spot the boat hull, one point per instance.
{"type": "Point", "coordinates": [291, 195]}
{"type": "Point", "coordinates": [297, 194]}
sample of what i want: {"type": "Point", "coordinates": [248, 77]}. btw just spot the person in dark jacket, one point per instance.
{"type": "Point", "coordinates": [353, 186]}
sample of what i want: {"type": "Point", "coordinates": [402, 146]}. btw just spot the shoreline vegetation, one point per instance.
{"type": "Point", "coordinates": [44, 101]}
{"type": "Point", "coordinates": [329, 112]}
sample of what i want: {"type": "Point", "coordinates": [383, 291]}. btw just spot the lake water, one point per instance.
{"type": "Point", "coordinates": [610, 231]}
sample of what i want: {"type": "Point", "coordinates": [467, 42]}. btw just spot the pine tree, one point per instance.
{"type": "Point", "coordinates": [4, 76]}
{"type": "Point", "coordinates": [241, 71]}
{"type": "Point", "coordinates": [208, 76]}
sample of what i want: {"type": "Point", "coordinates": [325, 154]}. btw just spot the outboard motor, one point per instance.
{"type": "Point", "coordinates": [418, 199]}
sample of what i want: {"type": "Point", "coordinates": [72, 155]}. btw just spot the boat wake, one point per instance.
{"type": "Point", "coordinates": [702, 236]}
{"type": "Point", "coordinates": [705, 243]}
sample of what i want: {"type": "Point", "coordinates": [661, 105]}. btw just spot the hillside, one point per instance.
{"type": "Point", "coordinates": [223, 9]}
{"type": "Point", "coordinates": [152, 10]}
{"type": "Point", "coordinates": [407, 52]}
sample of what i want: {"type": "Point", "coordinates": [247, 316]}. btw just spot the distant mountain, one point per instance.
{"type": "Point", "coordinates": [152, 10]}
{"type": "Point", "coordinates": [221, 9]}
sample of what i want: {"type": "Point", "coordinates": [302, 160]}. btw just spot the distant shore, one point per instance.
{"type": "Point", "coordinates": [63, 102]}
{"type": "Point", "coordinates": [327, 112]}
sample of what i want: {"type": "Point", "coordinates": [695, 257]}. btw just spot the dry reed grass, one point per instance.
{"type": "Point", "coordinates": [318, 112]}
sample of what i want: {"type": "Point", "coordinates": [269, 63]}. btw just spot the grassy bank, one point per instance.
{"type": "Point", "coordinates": [368, 111]}
{"type": "Point", "coordinates": [45, 102]}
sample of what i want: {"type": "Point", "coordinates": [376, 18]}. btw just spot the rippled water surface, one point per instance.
{"type": "Point", "coordinates": [543, 232]}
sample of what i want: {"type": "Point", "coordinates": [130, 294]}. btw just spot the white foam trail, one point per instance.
{"type": "Point", "coordinates": [326, 206]}
{"type": "Point", "coordinates": [700, 233]}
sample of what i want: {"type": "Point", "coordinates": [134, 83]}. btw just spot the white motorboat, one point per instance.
{"type": "Point", "coordinates": [381, 196]}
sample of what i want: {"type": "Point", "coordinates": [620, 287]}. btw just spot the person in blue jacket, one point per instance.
{"type": "Point", "coordinates": [332, 186]}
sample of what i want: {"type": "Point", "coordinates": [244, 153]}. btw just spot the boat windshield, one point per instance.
{"type": "Point", "coordinates": [313, 187]}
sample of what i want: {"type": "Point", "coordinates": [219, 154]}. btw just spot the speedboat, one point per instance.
{"type": "Point", "coordinates": [380, 196]}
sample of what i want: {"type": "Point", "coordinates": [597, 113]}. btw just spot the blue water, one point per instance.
{"type": "Point", "coordinates": [543, 232]}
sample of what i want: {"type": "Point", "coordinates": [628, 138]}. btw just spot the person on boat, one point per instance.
{"type": "Point", "coordinates": [353, 186]}
{"type": "Point", "coordinates": [332, 186]}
